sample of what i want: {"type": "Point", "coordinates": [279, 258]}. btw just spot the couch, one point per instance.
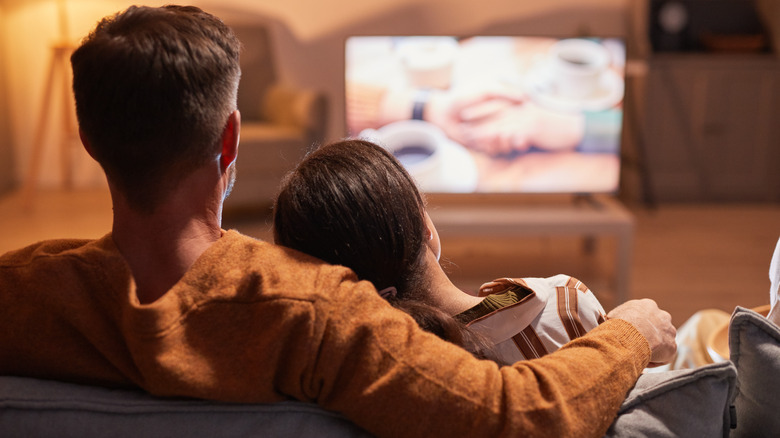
{"type": "Point", "coordinates": [33, 408]}
{"type": "Point", "coordinates": [682, 403]}
{"type": "Point", "coordinates": [279, 122]}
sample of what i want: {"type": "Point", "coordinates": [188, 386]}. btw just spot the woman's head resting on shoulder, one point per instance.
{"type": "Point", "coordinates": [352, 203]}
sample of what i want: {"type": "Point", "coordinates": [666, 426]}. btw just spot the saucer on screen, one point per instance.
{"type": "Point", "coordinates": [542, 90]}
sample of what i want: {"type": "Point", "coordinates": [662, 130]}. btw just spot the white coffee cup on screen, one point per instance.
{"type": "Point", "coordinates": [428, 60]}
{"type": "Point", "coordinates": [577, 67]}
{"type": "Point", "coordinates": [418, 147]}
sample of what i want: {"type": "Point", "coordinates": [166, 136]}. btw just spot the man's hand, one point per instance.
{"type": "Point", "coordinates": [654, 324]}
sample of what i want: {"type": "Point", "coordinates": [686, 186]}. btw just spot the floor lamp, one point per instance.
{"type": "Point", "coordinates": [59, 70]}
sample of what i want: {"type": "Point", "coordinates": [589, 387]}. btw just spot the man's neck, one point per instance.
{"type": "Point", "coordinates": [162, 246]}
{"type": "Point", "coordinates": [159, 253]}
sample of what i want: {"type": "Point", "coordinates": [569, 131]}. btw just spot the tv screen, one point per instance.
{"type": "Point", "coordinates": [491, 114]}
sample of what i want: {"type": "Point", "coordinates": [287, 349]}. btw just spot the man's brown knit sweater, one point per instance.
{"type": "Point", "coordinates": [253, 322]}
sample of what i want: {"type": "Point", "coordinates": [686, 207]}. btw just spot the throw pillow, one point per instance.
{"type": "Point", "coordinates": [679, 403]}
{"type": "Point", "coordinates": [754, 344]}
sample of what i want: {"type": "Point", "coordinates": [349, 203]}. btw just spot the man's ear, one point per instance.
{"type": "Point", "coordinates": [86, 144]}
{"type": "Point", "coordinates": [230, 139]}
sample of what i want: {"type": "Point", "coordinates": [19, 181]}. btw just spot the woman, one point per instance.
{"type": "Point", "coordinates": [352, 203]}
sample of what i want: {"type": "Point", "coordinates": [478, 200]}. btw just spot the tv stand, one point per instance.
{"type": "Point", "coordinates": [589, 216]}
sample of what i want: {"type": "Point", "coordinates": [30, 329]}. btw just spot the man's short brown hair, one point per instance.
{"type": "Point", "coordinates": [154, 88]}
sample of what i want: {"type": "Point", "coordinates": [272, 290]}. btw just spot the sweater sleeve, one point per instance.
{"type": "Point", "coordinates": [410, 383]}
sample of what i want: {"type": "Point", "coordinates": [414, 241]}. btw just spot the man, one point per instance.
{"type": "Point", "coordinates": [171, 303]}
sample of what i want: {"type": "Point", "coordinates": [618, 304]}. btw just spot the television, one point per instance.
{"type": "Point", "coordinates": [491, 114]}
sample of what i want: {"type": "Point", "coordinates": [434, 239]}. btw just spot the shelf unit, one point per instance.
{"type": "Point", "coordinates": [711, 127]}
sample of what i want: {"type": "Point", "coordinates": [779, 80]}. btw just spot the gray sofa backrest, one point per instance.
{"type": "Point", "coordinates": [42, 408]}
{"type": "Point", "coordinates": [681, 403]}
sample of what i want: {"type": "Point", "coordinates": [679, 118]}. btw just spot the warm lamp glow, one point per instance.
{"type": "Point", "coordinates": [62, 14]}
{"type": "Point", "coordinates": [34, 31]}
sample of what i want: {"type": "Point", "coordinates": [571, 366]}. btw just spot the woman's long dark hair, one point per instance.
{"type": "Point", "coordinates": [352, 203]}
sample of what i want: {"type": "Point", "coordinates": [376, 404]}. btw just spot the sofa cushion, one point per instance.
{"type": "Point", "coordinates": [679, 403]}
{"type": "Point", "coordinates": [43, 408]}
{"type": "Point", "coordinates": [754, 348]}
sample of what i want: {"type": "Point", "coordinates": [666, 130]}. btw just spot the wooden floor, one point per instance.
{"type": "Point", "coordinates": [686, 257]}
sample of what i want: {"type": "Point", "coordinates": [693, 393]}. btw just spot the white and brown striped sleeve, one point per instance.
{"type": "Point", "coordinates": [572, 310]}
{"type": "Point", "coordinates": [543, 315]}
